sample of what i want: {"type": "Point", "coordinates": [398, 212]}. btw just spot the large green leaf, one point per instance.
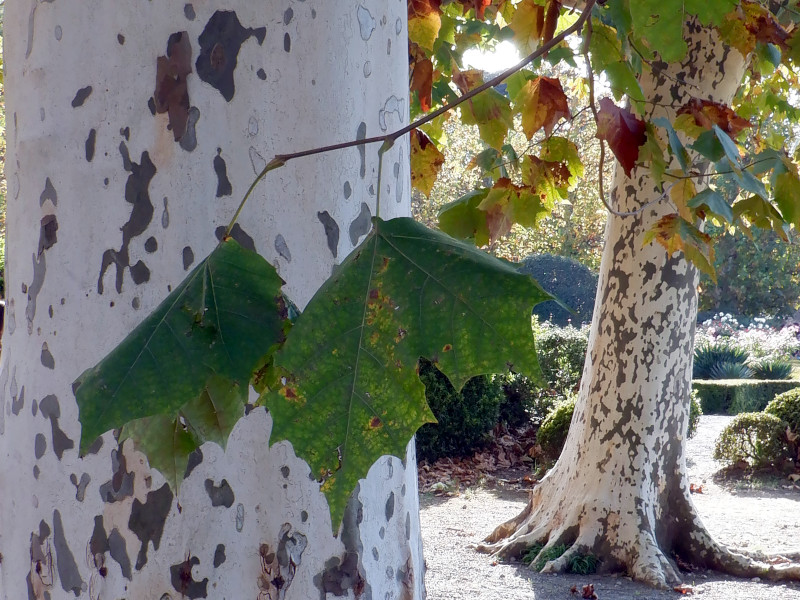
{"type": "Point", "coordinates": [225, 316]}
{"type": "Point", "coordinates": [353, 393]}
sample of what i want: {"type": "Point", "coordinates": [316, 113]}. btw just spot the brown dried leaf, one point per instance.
{"type": "Point", "coordinates": [542, 103]}
{"type": "Point", "coordinates": [422, 81]}
{"type": "Point", "coordinates": [707, 113]}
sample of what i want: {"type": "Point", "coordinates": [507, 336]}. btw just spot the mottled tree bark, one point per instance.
{"type": "Point", "coordinates": [134, 129]}
{"type": "Point", "coordinates": [619, 489]}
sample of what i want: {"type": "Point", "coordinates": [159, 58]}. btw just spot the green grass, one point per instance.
{"type": "Point", "coordinates": [580, 564]}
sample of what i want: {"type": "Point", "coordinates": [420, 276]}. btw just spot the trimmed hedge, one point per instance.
{"type": "Point", "coordinates": [754, 437]}
{"type": "Point", "coordinates": [566, 279]}
{"type": "Point", "coordinates": [734, 396]}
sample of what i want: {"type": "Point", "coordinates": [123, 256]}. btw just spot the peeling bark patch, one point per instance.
{"type": "Point", "coordinates": [361, 224]}
{"type": "Point", "coordinates": [282, 248]}
{"type": "Point", "coordinates": [238, 234]}
{"type": "Point", "coordinates": [65, 561]}
{"type": "Point", "coordinates": [17, 402]}
{"type": "Point", "coordinates": [48, 233]}
{"type": "Point", "coordinates": [366, 22]}
{"type": "Point", "coordinates": [89, 145]}
{"type": "Point", "coordinates": [331, 231]}
{"type": "Point", "coordinates": [221, 495]}
{"type": "Point", "coordinates": [239, 517]}
{"type": "Point", "coordinates": [98, 543]}
{"type": "Point", "coordinates": [261, 74]}
{"type": "Point", "coordinates": [49, 193]}
{"type": "Point", "coordinates": [165, 215]}
{"type": "Point", "coordinates": [80, 486]}
{"type": "Point", "coordinates": [188, 257]}
{"type": "Point", "coordinates": [389, 509]}
{"type": "Point", "coordinates": [51, 410]}
{"type": "Point", "coordinates": [39, 446]}
{"type": "Point", "coordinates": [138, 196]}
{"type": "Point", "coordinates": [195, 458]}
{"type": "Point", "coordinates": [47, 358]}
{"type": "Point", "coordinates": [41, 569]}
{"type": "Point", "coordinates": [392, 106]}
{"type": "Point", "coordinates": [140, 273]}
{"type": "Point", "coordinates": [184, 583]}
{"type": "Point", "coordinates": [224, 187]}
{"type": "Point", "coordinates": [303, 516]}
{"type": "Point", "coordinates": [347, 190]}
{"type": "Point", "coordinates": [361, 134]}
{"type": "Point", "coordinates": [219, 555]}
{"type": "Point", "coordinates": [285, 471]}
{"type": "Point", "coordinates": [81, 95]}
{"type": "Point", "coordinates": [288, 15]}
{"type": "Point", "coordinates": [39, 271]}
{"type": "Point", "coordinates": [151, 245]}
{"type": "Point", "coordinates": [172, 93]}
{"type": "Point", "coordinates": [119, 552]}
{"type": "Point", "coordinates": [287, 43]}
{"type": "Point", "coordinates": [120, 39]}
{"type": "Point", "coordinates": [220, 43]}
{"type": "Point", "coordinates": [188, 12]}
{"type": "Point", "coordinates": [120, 485]}
{"type": "Point", "coordinates": [147, 520]}
{"type": "Point", "coordinates": [343, 574]}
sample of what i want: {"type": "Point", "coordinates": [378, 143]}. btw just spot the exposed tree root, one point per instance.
{"type": "Point", "coordinates": [622, 547]}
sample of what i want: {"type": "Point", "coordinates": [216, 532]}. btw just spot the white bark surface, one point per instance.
{"type": "Point", "coordinates": [112, 198]}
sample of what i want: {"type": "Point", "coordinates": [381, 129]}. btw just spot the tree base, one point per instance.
{"type": "Point", "coordinates": [653, 555]}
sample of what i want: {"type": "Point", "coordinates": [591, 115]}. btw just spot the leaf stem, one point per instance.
{"type": "Point", "coordinates": [271, 166]}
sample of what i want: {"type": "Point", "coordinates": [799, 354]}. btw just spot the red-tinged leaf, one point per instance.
{"type": "Point", "coordinates": [468, 79]}
{"type": "Point", "coordinates": [426, 162]}
{"type": "Point", "coordinates": [761, 23]}
{"type": "Point", "coordinates": [489, 110]}
{"type": "Point", "coordinates": [588, 592]}
{"type": "Point", "coordinates": [480, 7]}
{"type": "Point", "coordinates": [542, 103]}
{"type": "Point", "coordinates": [707, 113]}
{"type": "Point", "coordinates": [623, 131]}
{"type": "Point", "coordinates": [422, 82]}
{"type": "Point", "coordinates": [550, 21]}
{"type": "Point", "coordinates": [507, 203]}
{"type": "Point", "coordinates": [424, 22]}
{"type": "Point", "coordinates": [550, 179]}
{"type": "Point", "coordinates": [676, 234]}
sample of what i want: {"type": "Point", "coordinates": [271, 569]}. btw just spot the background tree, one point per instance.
{"type": "Point", "coordinates": [134, 131]}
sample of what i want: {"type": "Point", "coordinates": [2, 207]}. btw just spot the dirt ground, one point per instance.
{"type": "Point", "coordinates": [757, 518]}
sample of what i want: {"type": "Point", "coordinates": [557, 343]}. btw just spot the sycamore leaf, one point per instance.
{"type": "Point", "coordinates": [761, 213]}
{"type": "Point", "coordinates": [560, 153]}
{"type": "Point", "coordinates": [710, 200]}
{"type": "Point", "coordinates": [168, 440]}
{"type": "Point", "coordinates": [623, 81]}
{"type": "Point", "coordinates": [542, 103]}
{"type": "Point", "coordinates": [220, 321]}
{"type": "Point", "coordinates": [489, 110]}
{"type": "Point", "coordinates": [651, 154]}
{"type": "Point", "coordinates": [528, 24]}
{"type": "Point", "coordinates": [422, 82]}
{"type": "Point", "coordinates": [709, 146]}
{"type": "Point", "coordinates": [405, 292]}
{"type": "Point", "coordinates": [424, 22]}
{"type": "Point", "coordinates": [426, 162]}
{"type": "Point", "coordinates": [507, 203]}
{"type": "Point", "coordinates": [463, 220]}
{"type": "Point", "coordinates": [623, 131]}
{"type": "Point", "coordinates": [676, 234]}
{"type": "Point", "coordinates": [750, 24]}
{"type": "Point", "coordinates": [787, 196]}
{"type": "Point", "coordinates": [707, 113]}
{"type": "Point", "coordinates": [675, 144]}
{"type": "Point", "coordinates": [729, 146]}
{"type": "Point", "coordinates": [681, 192]}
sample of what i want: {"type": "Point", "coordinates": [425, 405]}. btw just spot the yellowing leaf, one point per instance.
{"type": "Point", "coordinates": [651, 154]}
{"type": "Point", "coordinates": [542, 103]}
{"type": "Point", "coordinates": [489, 110]}
{"type": "Point", "coordinates": [678, 235]}
{"type": "Point", "coordinates": [426, 162]}
{"type": "Point", "coordinates": [681, 192]}
{"type": "Point", "coordinates": [507, 203]}
{"type": "Point", "coordinates": [463, 219]}
{"type": "Point", "coordinates": [528, 24]}
{"type": "Point", "coordinates": [787, 196]}
{"type": "Point", "coordinates": [424, 22]}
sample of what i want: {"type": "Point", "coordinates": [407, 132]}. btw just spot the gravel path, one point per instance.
{"type": "Point", "coordinates": [765, 520]}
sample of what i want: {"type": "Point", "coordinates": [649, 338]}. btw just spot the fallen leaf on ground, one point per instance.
{"type": "Point", "coordinates": [695, 489]}
{"type": "Point", "coordinates": [588, 592]}
{"type": "Point", "coordinates": [684, 589]}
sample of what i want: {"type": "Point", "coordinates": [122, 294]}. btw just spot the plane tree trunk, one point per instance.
{"type": "Point", "coordinates": [133, 130]}
{"type": "Point", "coordinates": [619, 489]}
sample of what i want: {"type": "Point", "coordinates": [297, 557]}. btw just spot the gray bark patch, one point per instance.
{"type": "Point", "coordinates": [47, 358]}
{"type": "Point", "coordinates": [147, 520]}
{"type": "Point", "coordinates": [39, 272]}
{"type": "Point", "coordinates": [261, 74]}
{"type": "Point", "coordinates": [51, 410]}
{"type": "Point", "coordinates": [138, 196]}
{"type": "Point", "coordinates": [221, 495]}
{"type": "Point", "coordinates": [393, 105]}
{"type": "Point", "coordinates": [98, 543]}
{"type": "Point", "coordinates": [347, 190]}
{"type": "Point", "coordinates": [151, 245]}
{"type": "Point", "coordinates": [287, 42]}
{"type": "Point", "coordinates": [89, 145]}
{"type": "Point", "coordinates": [189, 140]}
{"type": "Point", "coordinates": [119, 552]}
{"type": "Point", "coordinates": [171, 94]}
{"type": "Point", "coordinates": [288, 15]}
{"type": "Point", "coordinates": [81, 95]}
{"type": "Point", "coordinates": [49, 193]}
{"type": "Point", "coordinates": [282, 248]}
{"type": "Point", "coordinates": [80, 486]}
{"type": "Point", "coordinates": [331, 231]}
{"type": "Point", "coordinates": [48, 232]}
{"type": "Point", "coordinates": [366, 22]}
{"type": "Point", "coordinates": [188, 257]}
{"type": "Point", "coordinates": [188, 12]}
{"type": "Point", "coordinates": [238, 234]}
{"type": "Point", "coordinates": [239, 517]}
{"type": "Point", "coordinates": [183, 581]}
{"type": "Point", "coordinates": [39, 446]}
{"type": "Point", "coordinates": [361, 224]}
{"type": "Point", "coordinates": [120, 485]}
{"type": "Point", "coordinates": [224, 187]}
{"type": "Point", "coordinates": [219, 555]}
{"type": "Point", "coordinates": [65, 561]}
{"type": "Point", "coordinates": [165, 215]}
{"type": "Point", "coordinates": [17, 401]}
{"type": "Point", "coordinates": [389, 509]}
{"type": "Point", "coordinates": [220, 43]}
{"type": "Point", "coordinates": [195, 458]}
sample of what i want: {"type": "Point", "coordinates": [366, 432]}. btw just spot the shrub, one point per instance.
{"type": "Point", "coordinates": [756, 438]}
{"type": "Point", "coordinates": [730, 370]}
{"type": "Point", "coordinates": [711, 355]}
{"type": "Point", "coordinates": [524, 401]}
{"type": "Point", "coordinates": [566, 279]}
{"type": "Point", "coordinates": [695, 412]}
{"type": "Point", "coordinates": [772, 369]}
{"type": "Point", "coordinates": [562, 352]}
{"type": "Point", "coordinates": [464, 417]}
{"type": "Point", "coordinates": [553, 432]}
{"type": "Point", "coordinates": [786, 407]}
{"type": "Point", "coordinates": [720, 397]}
